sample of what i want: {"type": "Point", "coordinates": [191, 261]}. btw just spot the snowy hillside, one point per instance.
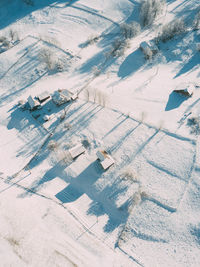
{"type": "Point", "coordinates": [117, 98]}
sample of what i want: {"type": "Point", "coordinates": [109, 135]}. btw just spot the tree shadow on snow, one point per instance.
{"type": "Point", "coordinates": [106, 41]}
{"type": "Point", "coordinates": [131, 64]}
{"type": "Point", "coordinates": [190, 65]}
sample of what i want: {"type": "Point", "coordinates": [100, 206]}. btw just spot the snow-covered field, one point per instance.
{"type": "Point", "coordinates": [55, 211]}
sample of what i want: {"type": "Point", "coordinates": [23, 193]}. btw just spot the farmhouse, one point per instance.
{"type": "Point", "coordinates": [63, 96]}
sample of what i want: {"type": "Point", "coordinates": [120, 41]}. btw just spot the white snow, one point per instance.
{"type": "Point", "coordinates": [56, 211]}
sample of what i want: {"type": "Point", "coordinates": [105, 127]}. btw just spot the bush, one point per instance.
{"type": "Point", "coordinates": [4, 42]}
{"type": "Point", "coordinates": [130, 30]}
{"type": "Point", "coordinates": [150, 9]}
{"type": "Point", "coordinates": [172, 29]}
{"type": "Point", "coordinates": [53, 145]}
{"type": "Point", "coordinates": [118, 48]}
{"type": "Point", "coordinates": [86, 143]}
{"type": "Point", "coordinates": [129, 174]}
{"type": "Point", "coordinates": [13, 35]}
{"type": "Point", "coordinates": [52, 63]}
{"type": "Point", "coordinates": [92, 40]}
{"type": "Point", "coordinates": [194, 124]}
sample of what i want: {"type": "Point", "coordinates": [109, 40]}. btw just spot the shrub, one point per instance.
{"type": "Point", "coordinates": [52, 63]}
{"type": "Point", "coordinates": [5, 43]}
{"type": "Point", "coordinates": [13, 35]}
{"type": "Point", "coordinates": [92, 40]}
{"type": "Point", "coordinates": [53, 145]}
{"type": "Point", "coordinates": [150, 9]}
{"type": "Point", "coordinates": [118, 48]}
{"type": "Point", "coordinates": [86, 143]}
{"type": "Point", "coordinates": [194, 124]}
{"type": "Point", "coordinates": [130, 30]}
{"type": "Point", "coordinates": [129, 174]}
{"type": "Point", "coordinates": [3, 39]}
{"type": "Point", "coordinates": [172, 29]}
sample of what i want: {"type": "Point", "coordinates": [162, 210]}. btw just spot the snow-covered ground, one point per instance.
{"type": "Point", "coordinates": [55, 211]}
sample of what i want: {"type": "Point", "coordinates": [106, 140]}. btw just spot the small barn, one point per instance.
{"type": "Point", "coordinates": [147, 46]}
{"type": "Point", "coordinates": [76, 151]}
{"type": "Point", "coordinates": [186, 91]}
{"type": "Point", "coordinates": [105, 159]}
{"type": "Point", "coordinates": [43, 96]}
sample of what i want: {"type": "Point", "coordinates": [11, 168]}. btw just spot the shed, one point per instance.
{"type": "Point", "coordinates": [105, 159]}
{"type": "Point", "coordinates": [76, 151]}
{"type": "Point", "coordinates": [146, 45]}
{"type": "Point", "coordinates": [34, 104]}
{"type": "Point", "coordinates": [43, 96]}
{"type": "Point", "coordinates": [186, 91]}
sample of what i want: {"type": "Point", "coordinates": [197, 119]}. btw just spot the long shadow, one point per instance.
{"type": "Point", "coordinates": [119, 142]}
{"type": "Point", "coordinates": [101, 203]}
{"type": "Point", "coordinates": [107, 205]}
{"type": "Point", "coordinates": [19, 91]}
{"type": "Point", "coordinates": [174, 101]}
{"type": "Point", "coordinates": [190, 65]}
{"type": "Point", "coordinates": [57, 171]}
{"type": "Point", "coordinates": [115, 127]}
{"type": "Point", "coordinates": [20, 120]}
{"type": "Point", "coordinates": [12, 11]}
{"type": "Point", "coordinates": [134, 16]}
{"type": "Point", "coordinates": [131, 64]}
{"type": "Point", "coordinates": [80, 185]}
{"type": "Point", "coordinates": [106, 43]}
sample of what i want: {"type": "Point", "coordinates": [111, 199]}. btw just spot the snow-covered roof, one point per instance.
{"type": "Point", "coordinates": [148, 45]}
{"type": "Point", "coordinates": [33, 103]}
{"type": "Point", "coordinates": [43, 96]}
{"type": "Point", "coordinates": [105, 159]}
{"type": "Point", "coordinates": [59, 98]}
{"type": "Point", "coordinates": [76, 150]}
{"type": "Point", "coordinates": [187, 89]}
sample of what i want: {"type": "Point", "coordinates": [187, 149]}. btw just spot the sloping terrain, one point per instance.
{"type": "Point", "coordinates": [56, 211]}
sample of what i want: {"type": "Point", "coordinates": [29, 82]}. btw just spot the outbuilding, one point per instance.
{"type": "Point", "coordinates": [186, 91]}
{"type": "Point", "coordinates": [77, 151]}
{"type": "Point", "coordinates": [33, 103]}
{"type": "Point", "coordinates": [43, 96]}
{"type": "Point", "coordinates": [105, 159]}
